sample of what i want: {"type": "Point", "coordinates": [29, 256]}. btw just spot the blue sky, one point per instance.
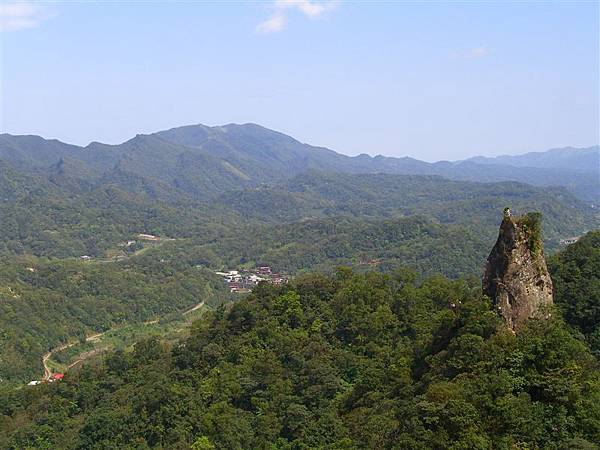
{"type": "Point", "coordinates": [432, 80]}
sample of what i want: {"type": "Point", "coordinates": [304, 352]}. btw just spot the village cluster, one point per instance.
{"type": "Point", "coordinates": [244, 280]}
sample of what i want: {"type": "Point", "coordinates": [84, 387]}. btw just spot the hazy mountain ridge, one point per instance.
{"type": "Point", "coordinates": [576, 159]}
{"type": "Point", "coordinates": [201, 162]}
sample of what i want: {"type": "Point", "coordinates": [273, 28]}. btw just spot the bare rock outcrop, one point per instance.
{"type": "Point", "coordinates": [516, 276]}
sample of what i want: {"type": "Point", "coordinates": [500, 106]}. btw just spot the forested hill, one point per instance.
{"type": "Point", "coordinates": [316, 195]}
{"type": "Point", "coordinates": [61, 216]}
{"type": "Point", "coordinates": [324, 244]}
{"type": "Point", "coordinates": [576, 276]}
{"type": "Point", "coordinates": [199, 162]}
{"type": "Point", "coordinates": [341, 362]}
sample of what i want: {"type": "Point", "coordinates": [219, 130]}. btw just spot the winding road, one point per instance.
{"type": "Point", "coordinates": [94, 338]}
{"type": "Point", "coordinates": [47, 369]}
{"type": "Point", "coordinates": [194, 308]}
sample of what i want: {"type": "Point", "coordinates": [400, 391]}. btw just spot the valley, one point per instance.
{"type": "Point", "coordinates": [66, 356]}
{"type": "Point", "coordinates": [67, 211]}
{"type": "Point", "coordinates": [194, 260]}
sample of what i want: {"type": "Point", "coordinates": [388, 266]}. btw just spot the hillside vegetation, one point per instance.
{"type": "Point", "coordinates": [319, 195]}
{"type": "Point", "coordinates": [369, 355]}
{"type": "Point", "coordinates": [62, 216]}
{"type": "Point", "coordinates": [363, 244]}
{"type": "Point", "coordinates": [341, 362]}
{"type": "Point", "coordinates": [47, 303]}
{"type": "Point", "coordinates": [576, 276]}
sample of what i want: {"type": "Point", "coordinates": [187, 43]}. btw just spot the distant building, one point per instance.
{"type": "Point", "coordinates": [279, 280]}
{"type": "Point", "coordinates": [235, 287]}
{"type": "Point", "coordinates": [569, 241]}
{"type": "Point", "coordinates": [254, 279]}
{"type": "Point", "coordinates": [244, 280]}
{"type": "Point", "coordinates": [148, 237]}
{"type": "Point", "coordinates": [230, 276]}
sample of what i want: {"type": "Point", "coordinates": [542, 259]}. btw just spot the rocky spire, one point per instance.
{"type": "Point", "coordinates": [516, 276]}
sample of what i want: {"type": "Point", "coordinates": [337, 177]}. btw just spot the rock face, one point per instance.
{"type": "Point", "coordinates": [516, 276]}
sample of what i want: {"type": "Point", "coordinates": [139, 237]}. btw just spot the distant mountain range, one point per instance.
{"type": "Point", "coordinates": [201, 162]}
{"type": "Point", "coordinates": [583, 160]}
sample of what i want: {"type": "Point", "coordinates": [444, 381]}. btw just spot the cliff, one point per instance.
{"type": "Point", "coordinates": [516, 276]}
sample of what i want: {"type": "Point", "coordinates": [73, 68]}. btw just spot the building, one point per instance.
{"type": "Point", "coordinates": [264, 270]}
{"type": "Point", "coordinates": [254, 279]}
{"type": "Point", "coordinates": [569, 241]}
{"type": "Point", "coordinates": [148, 237]}
{"type": "Point", "coordinates": [278, 279]}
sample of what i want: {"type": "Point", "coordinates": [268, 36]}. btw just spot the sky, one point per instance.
{"type": "Point", "coordinates": [433, 80]}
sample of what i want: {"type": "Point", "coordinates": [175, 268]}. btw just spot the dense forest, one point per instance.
{"type": "Point", "coordinates": [310, 222]}
{"type": "Point", "coordinates": [62, 218]}
{"type": "Point", "coordinates": [365, 244]}
{"type": "Point", "coordinates": [317, 195]}
{"type": "Point", "coordinates": [576, 275]}
{"type": "Point", "coordinates": [344, 361]}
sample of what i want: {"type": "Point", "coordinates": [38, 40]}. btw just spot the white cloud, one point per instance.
{"type": "Point", "coordinates": [272, 25]}
{"type": "Point", "coordinates": [306, 7]}
{"type": "Point", "coordinates": [17, 16]}
{"type": "Point", "coordinates": [311, 9]}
